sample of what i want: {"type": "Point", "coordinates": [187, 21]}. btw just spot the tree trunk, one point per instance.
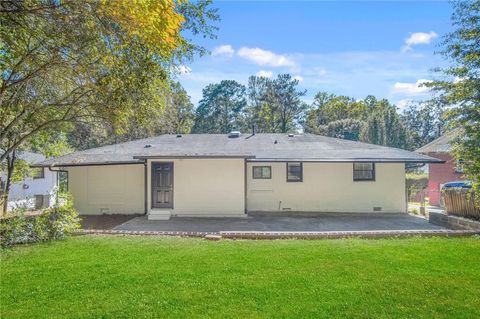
{"type": "Point", "coordinates": [1, 198]}
{"type": "Point", "coordinates": [6, 190]}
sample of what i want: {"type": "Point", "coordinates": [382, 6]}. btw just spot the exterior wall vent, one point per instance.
{"type": "Point", "coordinates": [234, 134]}
{"type": "Point", "coordinates": [377, 209]}
{"type": "Point", "coordinates": [291, 135]}
{"type": "Point", "coordinates": [148, 146]}
{"type": "Point", "coordinates": [179, 135]}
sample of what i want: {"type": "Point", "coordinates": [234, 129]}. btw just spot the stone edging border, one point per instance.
{"type": "Point", "coordinates": [288, 235]}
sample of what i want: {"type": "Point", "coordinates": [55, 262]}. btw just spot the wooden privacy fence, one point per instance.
{"type": "Point", "coordinates": [461, 202]}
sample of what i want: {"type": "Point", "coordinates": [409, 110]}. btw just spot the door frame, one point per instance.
{"type": "Point", "coordinates": [152, 168]}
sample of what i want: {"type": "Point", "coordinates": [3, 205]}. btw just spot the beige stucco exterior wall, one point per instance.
{"type": "Point", "coordinates": [328, 187]}
{"type": "Point", "coordinates": [215, 187]}
{"type": "Point", "coordinates": [205, 187]}
{"type": "Point", "coordinates": [107, 189]}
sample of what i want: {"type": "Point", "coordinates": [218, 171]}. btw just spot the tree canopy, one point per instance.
{"type": "Point", "coordinates": [65, 62]}
{"type": "Point", "coordinates": [275, 104]}
{"type": "Point", "coordinates": [221, 109]}
{"type": "Point", "coordinates": [460, 85]}
{"type": "Point", "coordinates": [93, 64]}
{"type": "Point", "coordinates": [369, 120]}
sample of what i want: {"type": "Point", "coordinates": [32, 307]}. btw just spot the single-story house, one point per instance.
{"type": "Point", "coordinates": [33, 192]}
{"type": "Point", "coordinates": [450, 170]}
{"type": "Point", "coordinates": [233, 174]}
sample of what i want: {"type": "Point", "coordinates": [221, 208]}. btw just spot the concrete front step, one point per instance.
{"type": "Point", "coordinates": [159, 215]}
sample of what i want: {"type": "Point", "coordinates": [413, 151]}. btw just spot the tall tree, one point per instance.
{"type": "Point", "coordinates": [175, 117]}
{"type": "Point", "coordinates": [327, 108]}
{"type": "Point", "coordinates": [178, 118]}
{"type": "Point", "coordinates": [369, 120]}
{"type": "Point", "coordinates": [289, 104]}
{"type": "Point", "coordinates": [86, 61]}
{"type": "Point", "coordinates": [460, 86]}
{"type": "Point", "coordinates": [221, 109]}
{"type": "Point", "coordinates": [66, 62]}
{"type": "Point", "coordinates": [349, 129]}
{"type": "Point", "coordinates": [384, 126]}
{"type": "Point", "coordinates": [424, 122]}
{"type": "Point", "coordinates": [275, 104]}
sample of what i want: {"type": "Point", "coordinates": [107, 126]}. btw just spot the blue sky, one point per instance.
{"type": "Point", "coordinates": [355, 48]}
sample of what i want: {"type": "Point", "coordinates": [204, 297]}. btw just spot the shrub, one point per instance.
{"type": "Point", "coordinates": [21, 227]}
{"type": "Point", "coordinates": [415, 183]}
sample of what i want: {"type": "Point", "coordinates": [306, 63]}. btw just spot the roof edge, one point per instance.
{"type": "Point", "coordinates": [350, 160]}
{"type": "Point", "coordinates": [193, 156]}
{"type": "Point", "coordinates": [85, 164]}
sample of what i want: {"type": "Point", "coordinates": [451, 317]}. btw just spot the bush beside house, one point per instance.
{"type": "Point", "coordinates": [21, 227]}
{"type": "Point", "coordinates": [416, 183]}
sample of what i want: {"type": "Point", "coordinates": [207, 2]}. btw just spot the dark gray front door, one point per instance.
{"type": "Point", "coordinates": [162, 185]}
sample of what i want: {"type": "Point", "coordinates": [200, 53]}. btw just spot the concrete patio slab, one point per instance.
{"type": "Point", "coordinates": [318, 223]}
{"type": "Point", "coordinates": [103, 221]}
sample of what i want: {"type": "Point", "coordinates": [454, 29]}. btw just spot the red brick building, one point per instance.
{"type": "Point", "coordinates": [440, 174]}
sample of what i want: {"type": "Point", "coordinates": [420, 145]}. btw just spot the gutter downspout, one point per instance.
{"type": "Point", "coordinates": [145, 165]}
{"type": "Point", "coordinates": [245, 185]}
{"type": "Point", "coordinates": [406, 189]}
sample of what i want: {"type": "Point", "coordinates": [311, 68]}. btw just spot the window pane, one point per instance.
{"type": "Point", "coordinates": [294, 171]}
{"type": "Point", "coordinates": [266, 172]}
{"type": "Point", "coordinates": [363, 166]}
{"type": "Point", "coordinates": [257, 173]}
{"type": "Point", "coordinates": [38, 172]}
{"type": "Point", "coordinates": [364, 171]}
{"type": "Point", "coordinates": [262, 172]}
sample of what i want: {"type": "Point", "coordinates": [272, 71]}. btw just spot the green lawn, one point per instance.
{"type": "Point", "coordinates": [144, 277]}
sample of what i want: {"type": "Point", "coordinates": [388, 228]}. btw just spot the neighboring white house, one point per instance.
{"type": "Point", "coordinates": [33, 192]}
{"type": "Point", "coordinates": [232, 175]}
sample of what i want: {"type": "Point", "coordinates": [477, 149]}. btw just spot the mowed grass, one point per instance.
{"type": "Point", "coordinates": [154, 277]}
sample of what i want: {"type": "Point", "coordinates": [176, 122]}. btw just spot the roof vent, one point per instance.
{"type": "Point", "coordinates": [291, 135]}
{"type": "Point", "coordinates": [234, 134]}
{"type": "Point", "coordinates": [275, 142]}
{"type": "Point", "coordinates": [179, 135]}
{"type": "Point", "coordinates": [148, 145]}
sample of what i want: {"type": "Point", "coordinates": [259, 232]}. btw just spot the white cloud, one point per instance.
{"type": "Point", "coordinates": [298, 78]}
{"type": "Point", "coordinates": [265, 74]}
{"type": "Point", "coordinates": [264, 57]}
{"type": "Point", "coordinates": [418, 38]}
{"type": "Point", "coordinates": [223, 50]}
{"type": "Point", "coordinates": [411, 89]}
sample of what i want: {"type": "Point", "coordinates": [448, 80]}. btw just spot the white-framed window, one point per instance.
{"type": "Point", "coordinates": [364, 171]}
{"type": "Point", "coordinates": [262, 172]}
{"type": "Point", "coordinates": [294, 172]}
{"type": "Point", "coordinates": [38, 173]}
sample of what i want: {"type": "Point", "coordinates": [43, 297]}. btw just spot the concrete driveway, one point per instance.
{"type": "Point", "coordinates": [323, 222]}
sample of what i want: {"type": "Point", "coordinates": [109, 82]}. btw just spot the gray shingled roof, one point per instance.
{"type": "Point", "coordinates": [259, 147]}
{"type": "Point", "coordinates": [443, 144]}
{"type": "Point", "coordinates": [30, 157]}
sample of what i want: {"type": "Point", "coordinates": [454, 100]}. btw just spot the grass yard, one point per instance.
{"type": "Point", "coordinates": [145, 277]}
